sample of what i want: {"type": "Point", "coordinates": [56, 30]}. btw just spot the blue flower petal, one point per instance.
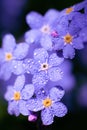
{"type": "Point", "coordinates": [18, 67]}
{"type": "Point", "coordinates": [59, 109]}
{"type": "Point", "coordinates": [51, 15]}
{"type": "Point", "coordinates": [61, 26]}
{"type": "Point", "coordinates": [78, 43]}
{"type": "Point", "coordinates": [13, 108]}
{"type": "Point", "coordinates": [40, 55]}
{"type": "Point", "coordinates": [9, 93]}
{"type": "Point", "coordinates": [47, 116]}
{"type": "Point", "coordinates": [46, 42]}
{"type": "Point", "coordinates": [31, 66]}
{"type": "Point", "coordinates": [23, 109]}
{"type": "Point", "coordinates": [5, 71]}
{"type": "Point", "coordinates": [9, 43]}
{"type": "Point", "coordinates": [34, 105]}
{"type": "Point", "coordinates": [69, 52]}
{"type": "Point", "coordinates": [55, 60]}
{"type": "Point", "coordinates": [85, 10]}
{"type": "Point", "coordinates": [80, 5]}
{"type": "Point", "coordinates": [80, 20]}
{"type": "Point", "coordinates": [40, 79]}
{"type": "Point", "coordinates": [32, 36]}
{"type": "Point", "coordinates": [34, 19]}
{"type": "Point", "coordinates": [56, 93]}
{"type": "Point", "coordinates": [55, 74]}
{"type": "Point", "coordinates": [58, 44]}
{"type": "Point", "coordinates": [2, 56]}
{"type": "Point", "coordinates": [19, 83]}
{"type": "Point", "coordinates": [83, 34]}
{"type": "Point", "coordinates": [27, 92]}
{"type": "Point", "coordinates": [21, 51]}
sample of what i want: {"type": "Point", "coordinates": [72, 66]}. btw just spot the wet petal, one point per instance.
{"type": "Point", "coordinates": [23, 109]}
{"type": "Point", "coordinates": [27, 92]}
{"type": "Point", "coordinates": [46, 42]}
{"type": "Point", "coordinates": [80, 20]}
{"type": "Point", "coordinates": [18, 67]}
{"type": "Point", "coordinates": [55, 60]}
{"type": "Point", "coordinates": [9, 93]}
{"type": "Point", "coordinates": [85, 9]}
{"type": "Point", "coordinates": [47, 116]}
{"type": "Point", "coordinates": [59, 109]}
{"type": "Point", "coordinates": [68, 52]}
{"type": "Point", "coordinates": [21, 51]}
{"type": "Point", "coordinates": [83, 34]}
{"type": "Point", "coordinates": [55, 74]}
{"type": "Point", "coordinates": [34, 105]}
{"type": "Point", "coordinates": [58, 44]}
{"type": "Point", "coordinates": [31, 66]}
{"type": "Point", "coordinates": [80, 5]}
{"type": "Point", "coordinates": [56, 93]}
{"type": "Point", "coordinates": [78, 43]}
{"type": "Point", "coordinates": [39, 80]}
{"type": "Point", "coordinates": [40, 55]}
{"type": "Point", "coordinates": [13, 108]}
{"type": "Point", "coordinates": [19, 83]}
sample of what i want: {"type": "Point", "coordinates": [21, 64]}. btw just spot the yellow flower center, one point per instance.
{"type": "Point", "coordinates": [44, 66]}
{"type": "Point", "coordinates": [8, 56]}
{"type": "Point", "coordinates": [17, 96]}
{"type": "Point", "coordinates": [68, 38]}
{"type": "Point", "coordinates": [45, 29]}
{"type": "Point", "coordinates": [69, 10]}
{"type": "Point", "coordinates": [47, 102]}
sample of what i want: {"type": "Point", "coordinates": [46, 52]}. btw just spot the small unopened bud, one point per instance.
{"type": "Point", "coordinates": [32, 118]}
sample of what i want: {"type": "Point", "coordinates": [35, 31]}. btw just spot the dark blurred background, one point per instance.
{"type": "Point", "coordinates": [12, 20]}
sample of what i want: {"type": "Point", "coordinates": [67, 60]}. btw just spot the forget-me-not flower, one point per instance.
{"type": "Point", "coordinates": [17, 96]}
{"type": "Point", "coordinates": [49, 105]}
{"type": "Point", "coordinates": [42, 28]}
{"type": "Point", "coordinates": [11, 57]}
{"type": "Point", "coordinates": [73, 10]}
{"type": "Point", "coordinates": [44, 67]}
{"type": "Point", "coordinates": [69, 39]}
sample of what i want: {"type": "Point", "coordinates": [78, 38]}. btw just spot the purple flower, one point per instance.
{"type": "Point", "coordinates": [68, 39]}
{"type": "Point", "coordinates": [11, 57]}
{"type": "Point", "coordinates": [73, 10]}
{"type": "Point", "coordinates": [49, 106]}
{"type": "Point", "coordinates": [80, 20]}
{"type": "Point", "coordinates": [44, 67]}
{"type": "Point", "coordinates": [17, 96]}
{"type": "Point", "coordinates": [42, 27]}
{"type": "Point", "coordinates": [85, 8]}
{"type": "Point", "coordinates": [83, 34]}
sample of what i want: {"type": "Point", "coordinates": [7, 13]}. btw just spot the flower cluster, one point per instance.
{"type": "Point", "coordinates": [39, 65]}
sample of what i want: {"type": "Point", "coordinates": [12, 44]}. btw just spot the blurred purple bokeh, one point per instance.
{"type": "Point", "coordinates": [10, 14]}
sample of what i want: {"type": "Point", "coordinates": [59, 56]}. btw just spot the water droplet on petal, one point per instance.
{"type": "Point", "coordinates": [15, 66]}
{"type": "Point", "coordinates": [43, 91]}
